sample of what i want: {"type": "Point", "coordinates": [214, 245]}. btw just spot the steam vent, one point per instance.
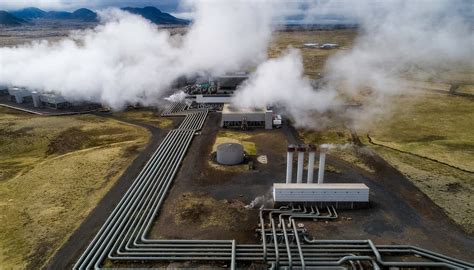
{"type": "Point", "coordinates": [230, 154]}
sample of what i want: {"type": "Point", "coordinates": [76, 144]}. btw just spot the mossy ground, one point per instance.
{"type": "Point", "coordinates": [436, 128]}
{"type": "Point", "coordinates": [147, 116]}
{"type": "Point", "coordinates": [53, 172]}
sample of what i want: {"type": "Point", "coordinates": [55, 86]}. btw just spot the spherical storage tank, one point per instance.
{"type": "Point", "coordinates": [230, 153]}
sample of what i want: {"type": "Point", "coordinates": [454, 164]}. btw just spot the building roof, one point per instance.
{"type": "Point", "coordinates": [321, 186]}
{"type": "Point", "coordinates": [228, 108]}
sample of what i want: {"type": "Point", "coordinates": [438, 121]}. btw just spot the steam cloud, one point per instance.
{"type": "Point", "coordinates": [129, 60]}
{"type": "Point", "coordinates": [398, 40]}
{"type": "Point", "coordinates": [281, 82]}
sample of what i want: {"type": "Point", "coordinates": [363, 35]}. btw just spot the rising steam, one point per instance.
{"type": "Point", "coordinates": [128, 60]}
{"type": "Point", "coordinates": [398, 40]}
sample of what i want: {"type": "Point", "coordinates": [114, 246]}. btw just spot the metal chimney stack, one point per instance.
{"type": "Point", "coordinates": [299, 174]}
{"type": "Point", "coordinates": [311, 155]}
{"type": "Point", "coordinates": [322, 161]}
{"type": "Point", "coordinates": [289, 163]}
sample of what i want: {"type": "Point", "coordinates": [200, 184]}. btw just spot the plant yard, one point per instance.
{"type": "Point", "coordinates": [53, 172]}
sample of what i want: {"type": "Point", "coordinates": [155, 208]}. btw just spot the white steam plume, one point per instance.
{"type": "Point", "coordinates": [281, 82]}
{"type": "Point", "coordinates": [398, 40]}
{"type": "Point", "coordinates": [129, 60]}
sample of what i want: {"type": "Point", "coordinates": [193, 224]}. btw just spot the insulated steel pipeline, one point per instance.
{"type": "Point", "coordinates": [124, 236]}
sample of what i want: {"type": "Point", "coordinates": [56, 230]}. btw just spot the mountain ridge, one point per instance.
{"type": "Point", "coordinates": [7, 19]}
{"type": "Point", "coordinates": [150, 13]}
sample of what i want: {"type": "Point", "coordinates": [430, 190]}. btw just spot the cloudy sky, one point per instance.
{"type": "Point", "coordinates": [167, 5]}
{"type": "Point", "coordinates": [307, 11]}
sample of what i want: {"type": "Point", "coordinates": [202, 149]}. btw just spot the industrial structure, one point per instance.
{"type": "Point", "coordinates": [338, 195]}
{"type": "Point", "coordinates": [311, 45]}
{"type": "Point", "coordinates": [227, 84]}
{"type": "Point", "coordinates": [213, 99]}
{"type": "Point", "coordinates": [43, 100]}
{"type": "Point", "coordinates": [3, 89]}
{"type": "Point", "coordinates": [230, 153]}
{"type": "Point", "coordinates": [124, 238]}
{"type": "Point", "coordinates": [328, 46]}
{"type": "Point", "coordinates": [20, 95]}
{"type": "Point", "coordinates": [246, 118]}
{"type": "Point", "coordinates": [53, 101]}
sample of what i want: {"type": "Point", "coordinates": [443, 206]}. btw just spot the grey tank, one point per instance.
{"type": "Point", "coordinates": [230, 154]}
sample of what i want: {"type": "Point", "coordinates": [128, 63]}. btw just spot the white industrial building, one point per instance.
{"type": "Point", "coordinates": [336, 194]}
{"type": "Point", "coordinates": [20, 95]}
{"type": "Point", "coordinates": [329, 46]}
{"type": "Point", "coordinates": [213, 99]}
{"type": "Point", "coordinates": [243, 118]}
{"type": "Point", "coordinates": [53, 101]}
{"type": "Point", "coordinates": [330, 192]}
{"type": "Point", "coordinates": [311, 45]}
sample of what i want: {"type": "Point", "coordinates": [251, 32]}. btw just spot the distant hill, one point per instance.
{"type": "Point", "coordinates": [7, 19]}
{"type": "Point", "coordinates": [85, 14]}
{"type": "Point", "coordinates": [151, 13]}
{"type": "Point", "coordinates": [155, 15]}
{"type": "Point", "coordinates": [29, 13]}
{"type": "Point", "coordinates": [32, 13]}
{"type": "Point", "coordinates": [59, 15]}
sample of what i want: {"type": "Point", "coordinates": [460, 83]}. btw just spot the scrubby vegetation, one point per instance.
{"type": "Point", "coordinates": [53, 172]}
{"type": "Point", "coordinates": [146, 116]}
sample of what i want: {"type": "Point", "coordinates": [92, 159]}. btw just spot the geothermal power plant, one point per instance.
{"type": "Point", "coordinates": [282, 241]}
{"type": "Point", "coordinates": [238, 134]}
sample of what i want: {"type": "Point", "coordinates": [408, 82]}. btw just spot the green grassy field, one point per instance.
{"type": "Point", "coordinates": [54, 170]}
{"type": "Point", "coordinates": [429, 138]}
{"type": "Point", "coordinates": [431, 125]}
{"type": "Point", "coordinates": [236, 137]}
{"type": "Point", "coordinates": [313, 59]}
{"type": "Point", "coordinates": [426, 129]}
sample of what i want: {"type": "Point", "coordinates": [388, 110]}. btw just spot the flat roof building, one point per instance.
{"type": "Point", "coordinates": [327, 193]}
{"type": "Point", "coordinates": [53, 101]}
{"type": "Point", "coordinates": [20, 94]}
{"type": "Point", "coordinates": [246, 117]}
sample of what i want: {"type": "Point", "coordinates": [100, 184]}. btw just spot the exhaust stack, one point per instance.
{"type": "Point", "coordinates": [289, 163]}
{"type": "Point", "coordinates": [311, 155]}
{"type": "Point", "coordinates": [322, 161]}
{"type": "Point", "coordinates": [299, 173]}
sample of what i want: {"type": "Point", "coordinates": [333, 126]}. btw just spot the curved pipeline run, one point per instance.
{"type": "Point", "coordinates": [123, 236]}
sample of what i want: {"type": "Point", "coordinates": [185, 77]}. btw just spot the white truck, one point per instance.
{"type": "Point", "coordinates": [277, 121]}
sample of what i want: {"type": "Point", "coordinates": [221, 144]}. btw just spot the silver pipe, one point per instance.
{"type": "Point", "coordinates": [299, 172]}
{"type": "Point", "coordinates": [287, 243]}
{"type": "Point", "coordinates": [289, 163]}
{"type": "Point", "coordinates": [322, 161]}
{"type": "Point", "coordinates": [312, 153]}
{"type": "Point", "coordinates": [298, 244]}
{"type": "Point", "coordinates": [232, 262]}
{"type": "Point", "coordinates": [275, 242]}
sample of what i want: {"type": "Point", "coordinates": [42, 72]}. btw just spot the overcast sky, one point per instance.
{"type": "Point", "coordinates": [308, 11]}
